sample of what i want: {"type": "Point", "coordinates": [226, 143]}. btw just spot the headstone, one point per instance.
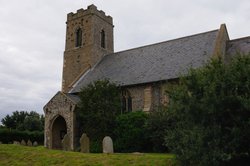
{"type": "Point", "coordinates": [0, 142]}
{"type": "Point", "coordinates": [107, 145]}
{"type": "Point", "coordinates": [29, 143]}
{"type": "Point", "coordinates": [16, 142]}
{"type": "Point", "coordinates": [84, 141]}
{"type": "Point", "coordinates": [23, 143]}
{"type": "Point", "coordinates": [66, 142]}
{"type": "Point", "coordinates": [35, 143]}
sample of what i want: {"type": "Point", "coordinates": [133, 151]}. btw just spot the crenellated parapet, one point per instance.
{"type": "Point", "coordinates": [91, 10]}
{"type": "Point", "coordinates": [89, 36]}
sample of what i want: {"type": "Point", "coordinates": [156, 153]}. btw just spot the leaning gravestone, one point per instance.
{"type": "Point", "coordinates": [23, 143]}
{"type": "Point", "coordinates": [35, 143]}
{"type": "Point", "coordinates": [107, 145]}
{"type": "Point", "coordinates": [29, 143]}
{"type": "Point", "coordinates": [16, 142]}
{"type": "Point", "coordinates": [84, 141]}
{"type": "Point", "coordinates": [66, 142]}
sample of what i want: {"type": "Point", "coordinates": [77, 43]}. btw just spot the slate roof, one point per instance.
{"type": "Point", "coordinates": [152, 63]}
{"type": "Point", "coordinates": [241, 45]}
{"type": "Point", "coordinates": [73, 97]}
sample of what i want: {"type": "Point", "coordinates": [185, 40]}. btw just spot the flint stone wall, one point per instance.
{"type": "Point", "coordinates": [59, 105]}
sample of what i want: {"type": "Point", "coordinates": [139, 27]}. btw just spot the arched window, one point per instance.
{"type": "Point", "coordinates": [103, 39]}
{"type": "Point", "coordinates": [129, 104]}
{"type": "Point", "coordinates": [126, 101]}
{"type": "Point", "coordinates": [78, 41]}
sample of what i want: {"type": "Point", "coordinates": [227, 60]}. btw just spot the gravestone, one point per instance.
{"type": "Point", "coordinates": [84, 141]}
{"type": "Point", "coordinates": [23, 143]}
{"type": "Point", "coordinates": [29, 143]}
{"type": "Point", "coordinates": [0, 142]}
{"type": "Point", "coordinates": [66, 142]}
{"type": "Point", "coordinates": [16, 142]}
{"type": "Point", "coordinates": [107, 145]}
{"type": "Point", "coordinates": [35, 143]}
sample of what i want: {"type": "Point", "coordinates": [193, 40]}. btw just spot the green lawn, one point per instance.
{"type": "Point", "coordinates": [23, 155]}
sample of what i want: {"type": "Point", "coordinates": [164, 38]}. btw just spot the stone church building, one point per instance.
{"type": "Point", "coordinates": [143, 72]}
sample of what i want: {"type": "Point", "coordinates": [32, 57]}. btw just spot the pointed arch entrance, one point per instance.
{"type": "Point", "coordinates": [59, 129]}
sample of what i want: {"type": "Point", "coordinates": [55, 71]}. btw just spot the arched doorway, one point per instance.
{"type": "Point", "coordinates": [59, 129]}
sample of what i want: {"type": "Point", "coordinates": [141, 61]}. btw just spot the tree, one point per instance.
{"type": "Point", "coordinates": [15, 120]}
{"type": "Point", "coordinates": [33, 122]}
{"type": "Point", "coordinates": [99, 106]}
{"type": "Point", "coordinates": [211, 107]}
{"type": "Point", "coordinates": [22, 120]}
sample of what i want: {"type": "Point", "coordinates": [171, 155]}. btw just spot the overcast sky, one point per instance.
{"type": "Point", "coordinates": [32, 37]}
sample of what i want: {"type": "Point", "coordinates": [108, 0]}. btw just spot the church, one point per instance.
{"type": "Point", "coordinates": [142, 73]}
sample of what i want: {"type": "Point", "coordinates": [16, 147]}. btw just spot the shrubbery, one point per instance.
{"type": "Point", "coordinates": [96, 146]}
{"type": "Point", "coordinates": [157, 124]}
{"type": "Point", "coordinates": [100, 116]}
{"type": "Point", "coordinates": [100, 104]}
{"type": "Point", "coordinates": [131, 133]}
{"type": "Point", "coordinates": [10, 135]}
{"type": "Point", "coordinates": [212, 111]}
{"type": "Point", "coordinates": [22, 125]}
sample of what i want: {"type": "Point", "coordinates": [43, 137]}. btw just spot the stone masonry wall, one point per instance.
{"type": "Point", "coordinates": [59, 105]}
{"type": "Point", "coordinates": [150, 96]}
{"type": "Point", "coordinates": [77, 60]}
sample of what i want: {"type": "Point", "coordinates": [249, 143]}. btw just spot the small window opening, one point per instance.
{"type": "Point", "coordinates": [103, 39]}
{"type": "Point", "coordinates": [78, 38]}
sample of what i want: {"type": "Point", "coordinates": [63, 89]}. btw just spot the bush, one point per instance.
{"type": "Point", "coordinates": [99, 106]}
{"type": "Point", "coordinates": [131, 133]}
{"type": "Point", "coordinates": [8, 135]}
{"type": "Point", "coordinates": [212, 111]}
{"type": "Point", "coordinates": [96, 146]}
{"type": "Point", "coordinates": [157, 124]}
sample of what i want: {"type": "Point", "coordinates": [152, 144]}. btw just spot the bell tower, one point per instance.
{"type": "Point", "coordinates": [89, 36]}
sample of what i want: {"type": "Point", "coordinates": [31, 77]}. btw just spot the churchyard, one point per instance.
{"type": "Point", "coordinates": [13, 154]}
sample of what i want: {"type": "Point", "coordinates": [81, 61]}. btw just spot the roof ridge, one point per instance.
{"type": "Point", "coordinates": [241, 38]}
{"type": "Point", "coordinates": [148, 45]}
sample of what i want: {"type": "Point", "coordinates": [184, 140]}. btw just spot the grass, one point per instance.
{"type": "Point", "coordinates": [23, 155]}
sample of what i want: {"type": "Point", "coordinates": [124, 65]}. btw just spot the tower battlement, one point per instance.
{"type": "Point", "coordinates": [91, 10]}
{"type": "Point", "coordinates": [89, 37]}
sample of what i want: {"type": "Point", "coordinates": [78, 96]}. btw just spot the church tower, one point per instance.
{"type": "Point", "coordinates": [89, 36]}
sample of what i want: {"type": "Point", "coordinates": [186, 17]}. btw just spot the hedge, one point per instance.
{"type": "Point", "coordinates": [131, 134]}
{"type": "Point", "coordinates": [10, 135]}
